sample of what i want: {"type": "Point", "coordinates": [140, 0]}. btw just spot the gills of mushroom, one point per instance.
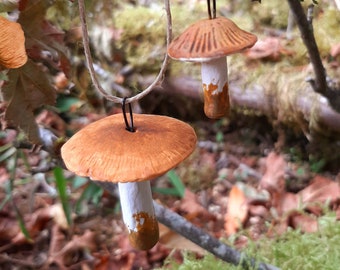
{"type": "Point", "coordinates": [139, 214]}
{"type": "Point", "coordinates": [215, 87]}
{"type": "Point", "coordinates": [209, 41]}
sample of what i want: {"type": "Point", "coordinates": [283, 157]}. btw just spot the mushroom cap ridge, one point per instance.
{"type": "Point", "coordinates": [210, 38]}
{"type": "Point", "coordinates": [12, 44]}
{"type": "Point", "coordinates": [106, 151]}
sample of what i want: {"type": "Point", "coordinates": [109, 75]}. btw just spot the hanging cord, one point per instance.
{"type": "Point", "coordinates": [212, 15]}
{"type": "Point", "coordinates": [89, 60]}
{"type": "Point", "coordinates": [128, 127]}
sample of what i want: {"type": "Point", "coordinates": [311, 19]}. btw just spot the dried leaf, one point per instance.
{"type": "Point", "coordinates": [237, 211]}
{"type": "Point", "coordinates": [273, 178]}
{"type": "Point", "coordinates": [303, 222]}
{"type": "Point", "coordinates": [269, 48]}
{"type": "Point", "coordinates": [26, 90]}
{"type": "Point", "coordinates": [289, 201]}
{"type": "Point", "coordinates": [321, 190]}
{"type": "Point", "coordinates": [335, 50]}
{"type": "Point", "coordinates": [9, 228]}
{"type": "Point", "coordinates": [173, 240]}
{"type": "Point", "coordinates": [190, 205]}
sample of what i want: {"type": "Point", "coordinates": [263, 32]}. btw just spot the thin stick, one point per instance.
{"type": "Point", "coordinates": [89, 60]}
{"type": "Point", "coordinates": [206, 241]}
{"type": "Point", "coordinates": [307, 35]}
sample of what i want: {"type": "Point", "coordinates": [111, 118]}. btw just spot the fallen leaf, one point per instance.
{"type": "Point", "coordinates": [9, 228]}
{"type": "Point", "coordinates": [52, 121]}
{"type": "Point", "coordinates": [269, 48]}
{"type": "Point", "coordinates": [173, 240]}
{"type": "Point", "coordinates": [273, 178]}
{"type": "Point", "coordinates": [303, 222]}
{"type": "Point", "coordinates": [193, 209]}
{"type": "Point", "coordinates": [289, 202]}
{"type": "Point", "coordinates": [335, 50]}
{"type": "Point", "coordinates": [321, 190]}
{"type": "Point", "coordinates": [237, 211]}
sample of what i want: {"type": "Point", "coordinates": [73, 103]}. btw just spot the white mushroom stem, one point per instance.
{"type": "Point", "coordinates": [215, 87]}
{"type": "Point", "coordinates": [139, 214]}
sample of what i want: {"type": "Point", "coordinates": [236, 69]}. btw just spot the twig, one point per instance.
{"type": "Point", "coordinates": [307, 35]}
{"type": "Point", "coordinates": [206, 241]}
{"type": "Point", "coordinates": [89, 60]}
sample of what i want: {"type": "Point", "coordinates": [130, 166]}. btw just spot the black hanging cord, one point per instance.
{"type": "Point", "coordinates": [128, 127]}
{"type": "Point", "coordinates": [212, 14]}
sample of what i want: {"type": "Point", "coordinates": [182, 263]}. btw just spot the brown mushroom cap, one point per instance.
{"type": "Point", "coordinates": [12, 44]}
{"type": "Point", "coordinates": [106, 151]}
{"type": "Point", "coordinates": [210, 38]}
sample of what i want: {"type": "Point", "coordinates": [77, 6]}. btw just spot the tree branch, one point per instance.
{"type": "Point", "coordinates": [305, 105]}
{"type": "Point", "coordinates": [307, 35]}
{"type": "Point", "coordinates": [206, 241]}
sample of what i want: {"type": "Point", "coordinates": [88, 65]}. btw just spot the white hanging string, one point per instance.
{"type": "Point", "coordinates": [88, 56]}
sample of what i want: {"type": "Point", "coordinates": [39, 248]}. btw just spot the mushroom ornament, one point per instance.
{"type": "Point", "coordinates": [130, 155]}
{"type": "Point", "coordinates": [209, 41]}
{"type": "Point", "coordinates": [12, 44]}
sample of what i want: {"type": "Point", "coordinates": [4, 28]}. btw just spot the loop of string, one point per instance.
{"type": "Point", "coordinates": [89, 61]}
{"type": "Point", "coordinates": [212, 15]}
{"type": "Point", "coordinates": [128, 127]}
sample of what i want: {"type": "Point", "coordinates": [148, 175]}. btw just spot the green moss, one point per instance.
{"type": "Point", "coordinates": [326, 30]}
{"type": "Point", "coordinates": [273, 13]}
{"type": "Point", "coordinates": [143, 35]}
{"type": "Point", "coordinates": [290, 251]}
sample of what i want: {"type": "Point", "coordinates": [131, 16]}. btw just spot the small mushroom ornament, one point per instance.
{"type": "Point", "coordinates": [108, 151]}
{"type": "Point", "coordinates": [12, 44]}
{"type": "Point", "coordinates": [209, 41]}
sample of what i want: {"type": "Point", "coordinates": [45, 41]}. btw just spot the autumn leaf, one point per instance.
{"type": "Point", "coordinates": [237, 210]}
{"type": "Point", "coordinates": [273, 178]}
{"type": "Point", "coordinates": [269, 48]}
{"type": "Point", "coordinates": [303, 222]}
{"type": "Point", "coordinates": [26, 90]}
{"type": "Point", "coordinates": [321, 190]}
{"type": "Point", "coordinates": [173, 240]}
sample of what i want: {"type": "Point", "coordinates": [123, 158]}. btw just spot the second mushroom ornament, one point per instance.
{"type": "Point", "coordinates": [130, 154]}
{"type": "Point", "coordinates": [208, 42]}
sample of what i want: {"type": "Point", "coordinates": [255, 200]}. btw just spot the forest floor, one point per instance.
{"type": "Point", "coordinates": [251, 177]}
{"type": "Point", "coordinates": [238, 186]}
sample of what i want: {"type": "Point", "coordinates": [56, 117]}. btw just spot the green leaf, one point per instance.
{"type": "Point", "coordinates": [92, 193]}
{"type": "Point", "coordinates": [27, 89]}
{"type": "Point", "coordinates": [61, 184]}
{"type": "Point", "coordinates": [65, 103]}
{"type": "Point", "coordinates": [167, 191]}
{"type": "Point", "coordinates": [7, 154]}
{"type": "Point", "coordinates": [176, 182]}
{"type": "Point", "coordinates": [79, 181]}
